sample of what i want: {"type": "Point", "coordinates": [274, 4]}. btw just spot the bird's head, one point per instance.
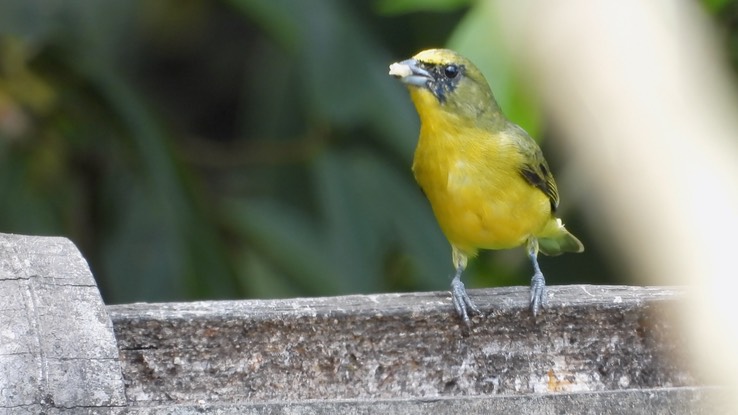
{"type": "Point", "coordinates": [443, 80]}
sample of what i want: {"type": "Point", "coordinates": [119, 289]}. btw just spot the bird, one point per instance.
{"type": "Point", "coordinates": [486, 179]}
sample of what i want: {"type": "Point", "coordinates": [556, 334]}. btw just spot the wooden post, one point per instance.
{"type": "Point", "coordinates": [594, 350]}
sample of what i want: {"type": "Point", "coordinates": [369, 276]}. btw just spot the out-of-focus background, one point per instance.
{"type": "Point", "coordinates": [254, 148]}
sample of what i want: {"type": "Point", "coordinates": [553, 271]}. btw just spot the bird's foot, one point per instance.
{"type": "Point", "coordinates": [462, 302]}
{"type": "Point", "coordinates": [537, 292]}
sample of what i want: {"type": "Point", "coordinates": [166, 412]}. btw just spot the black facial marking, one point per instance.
{"type": "Point", "coordinates": [445, 78]}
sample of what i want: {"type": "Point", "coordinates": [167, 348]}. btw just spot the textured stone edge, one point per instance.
{"type": "Point", "coordinates": [683, 401]}
{"type": "Point", "coordinates": [57, 344]}
{"type": "Point", "coordinates": [395, 346]}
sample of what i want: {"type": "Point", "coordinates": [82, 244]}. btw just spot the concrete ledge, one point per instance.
{"type": "Point", "coordinates": [697, 401]}
{"type": "Point", "coordinates": [56, 342]}
{"type": "Point", "coordinates": [594, 350]}
{"type": "Point", "coordinates": [400, 346]}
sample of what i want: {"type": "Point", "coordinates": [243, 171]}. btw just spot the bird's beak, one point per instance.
{"type": "Point", "coordinates": [410, 73]}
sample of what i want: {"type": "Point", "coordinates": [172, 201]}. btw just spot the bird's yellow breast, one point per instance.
{"type": "Point", "coordinates": [473, 182]}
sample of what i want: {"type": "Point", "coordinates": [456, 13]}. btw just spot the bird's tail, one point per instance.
{"type": "Point", "coordinates": [555, 239]}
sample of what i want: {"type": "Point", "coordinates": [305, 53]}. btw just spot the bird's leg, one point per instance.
{"type": "Point", "coordinates": [538, 282]}
{"type": "Point", "coordinates": [462, 302]}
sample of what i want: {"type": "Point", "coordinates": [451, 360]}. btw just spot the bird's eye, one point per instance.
{"type": "Point", "coordinates": [451, 71]}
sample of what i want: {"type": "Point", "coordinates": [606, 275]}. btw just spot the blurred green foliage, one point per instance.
{"type": "Point", "coordinates": [242, 148]}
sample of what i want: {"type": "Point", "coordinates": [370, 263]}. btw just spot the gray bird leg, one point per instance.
{"type": "Point", "coordinates": [537, 282]}
{"type": "Point", "coordinates": [462, 302]}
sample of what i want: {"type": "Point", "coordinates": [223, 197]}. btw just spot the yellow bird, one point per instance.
{"type": "Point", "coordinates": [486, 179]}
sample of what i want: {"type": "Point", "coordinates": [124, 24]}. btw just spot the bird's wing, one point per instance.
{"type": "Point", "coordinates": [535, 169]}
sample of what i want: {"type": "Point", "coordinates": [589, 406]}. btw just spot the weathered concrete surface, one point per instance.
{"type": "Point", "coordinates": [393, 346]}
{"type": "Point", "coordinates": [595, 350]}
{"type": "Point", "coordinates": [669, 401]}
{"type": "Point", "coordinates": [642, 402]}
{"type": "Point", "coordinates": [57, 348]}
{"type": "Point", "coordinates": [662, 401]}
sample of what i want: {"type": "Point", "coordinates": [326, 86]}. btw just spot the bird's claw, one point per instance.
{"type": "Point", "coordinates": [462, 302]}
{"type": "Point", "coordinates": [537, 292]}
